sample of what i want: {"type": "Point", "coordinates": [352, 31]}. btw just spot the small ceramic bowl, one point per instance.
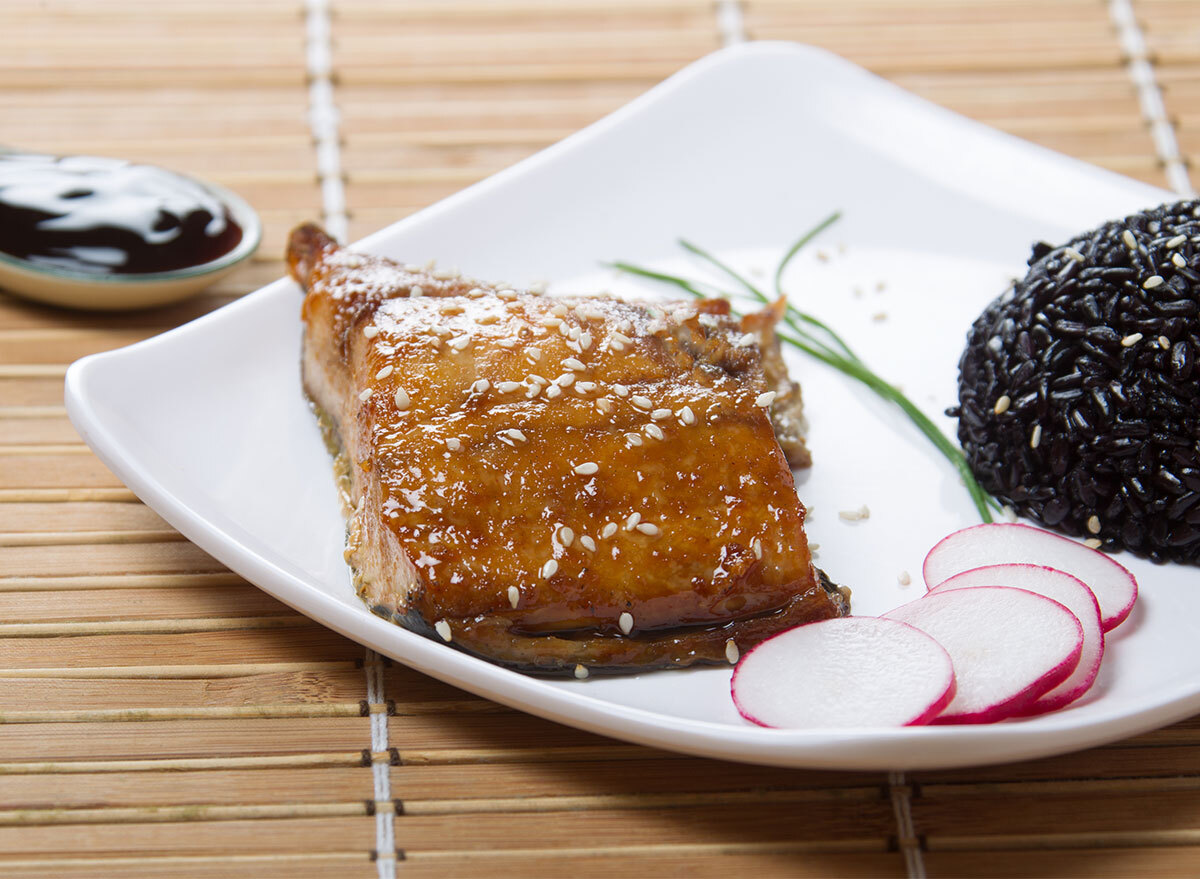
{"type": "Point", "coordinates": [114, 292]}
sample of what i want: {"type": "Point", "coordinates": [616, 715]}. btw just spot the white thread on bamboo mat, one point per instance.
{"type": "Point", "coordinates": [323, 117]}
{"type": "Point", "coordinates": [730, 22]}
{"type": "Point", "coordinates": [906, 833]}
{"type": "Point", "coordinates": [324, 123]}
{"type": "Point", "coordinates": [1141, 72]}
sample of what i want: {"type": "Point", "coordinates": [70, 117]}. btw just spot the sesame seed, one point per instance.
{"type": "Point", "coordinates": [508, 387]}
{"type": "Point", "coordinates": [385, 372]}
{"type": "Point", "coordinates": [402, 399]}
{"type": "Point", "coordinates": [632, 521]}
{"type": "Point", "coordinates": [616, 346]}
{"type": "Point", "coordinates": [573, 364]}
{"type": "Point", "coordinates": [566, 536]}
{"type": "Point", "coordinates": [654, 431]}
{"type": "Point", "coordinates": [559, 310]}
{"type": "Point", "coordinates": [620, 390]}
{"type": "Point", "coordinates": [756, 545]}
{"type": "Point", "coordinates": [625, 621]}
{"type": "Point", "coordinates": [1009, 513]}
{"type": "Point", "coordinates": [549, 569]}
{"type": "Point", "coordinates": [453, 443]}
{"type": "Point", "coordinates": [534, 353]}
{"type": "Point", "coordinates": [1179, 261]}
{"type": "Point", "coordinates": [365, 394]}
{"type": "Point", "coordinates": [1093, 525]}
{"type": "Point", "coordinates": [459, 343]}
{"type": "Point", "coordinates": [417, 290]}
{"type": "Point", "coordinates": [514, 596]}
{"type": "Point", "coordinates": [480, 386]}
{"type": "Point", "coordinates": [507, 343]}
{"type": "Point", "coordinates": [534, 378]}
{"type": "Point", "coordinates": [1129, 240]}
{"type": "Point", "coordinates": [641, 402]}
{"type": "Point", "coordinates": [744, 341]}
{"type": "Point", "coordinates": [587, 468]}
{"type": "Point", "coordinates": [1035, 436]}
{"type": "Point", "coordinates": [1002, 404]}
{"type": "Point", "coordinates": [564, 330]}
{"type": "Point", "coordinates": [687, 416]}
{"type": "Point", "coordinates": [487, 319]}
{"type": "Point", "coordinates": [855, 515]}
{"type": "Point", "coordinates": [371, 332]}
{"type": "Point", "coordinates": [450, 308]}
{"type": "Point", "coordinates": [904, 578]}
{"type": "Point", "coordinates": [551, 322]}
{"type": "Point", "coordinates": [585, 340]}
{"type": "Point", "coordinates": [515, 434]}
{"type": "Point", "coordinates": [1177, 240]}
{"type": "Point", "coordinates": [1093, 543]}
{"type": "Point", "coordinates": [648, 528]}
{"type": "Point", "coordinates": [765, 399]}
{"type": "Point", "coordinates": [1131, 340]}
{"type": "Point", "coordinates": [553, 391]}
{"type": "Point", "coordinates": [620, 338]}
{"type": "Point", "coordinates": [564, 380]}
{"type": "Point", "coordinates": [581, 673]}
{"type": "Point", "coordinates": [633, 439]}
{"type": "Point", "coordinates": [608, 530]}
{"type": "Point", "coordinates": [1164, 342]}
{"type": "Point", "coordinates": [445, 274]}
{"type": "Point", "coordinates": [443, 629]}
{"type": "Point", "coordinates": [507, 294]}
{"type": "Point", "coordinates": [585, 387]}
{"type": "Point", "coordinates": [1072, 253]}
{"type": "Point", "coordinates": [605, 405]}
{"type": "Point", "coordinates": [1153, 281]}
{"type": "Point", "coordinates": [731, 652]}
{"type": "Point", "coordinates": [587, 543]}
{"type": "Point", "coordinates": [660, 414]}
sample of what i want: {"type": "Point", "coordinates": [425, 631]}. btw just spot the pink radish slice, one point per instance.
{"type": "Point", "coordinates": [1068, 591]}
{"type": "Point", "coordinates": [1009, 647]}
{"type": "Point", "coordinates": [1001, 543]}
{"type": "Point", "coordinates": [846, 672]}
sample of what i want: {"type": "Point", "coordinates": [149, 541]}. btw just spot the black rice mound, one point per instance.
{"type": "Point", "coordinates": [1079, 404]}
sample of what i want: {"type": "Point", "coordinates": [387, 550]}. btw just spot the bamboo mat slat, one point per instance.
{"type": "Point", "coordinates": [161, 717]}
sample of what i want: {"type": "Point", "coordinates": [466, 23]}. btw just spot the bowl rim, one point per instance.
{"type": "Point", "coordinates": [239, 208]}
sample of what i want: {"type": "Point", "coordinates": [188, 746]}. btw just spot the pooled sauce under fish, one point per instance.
{"type": "Point", "coordinates": [559, 485]}
{"type": "Point", "coordinates": [101, 216]}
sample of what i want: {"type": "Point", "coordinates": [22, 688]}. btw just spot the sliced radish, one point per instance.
{"type": "Point", "coordinates": [1002, 543]}
{"type": "Point", "coordinates": [846, 672]}
{"type": "Point", "coordinates": [1068, 591]}
{"type": "Point", "coordinates": [1009, 647]}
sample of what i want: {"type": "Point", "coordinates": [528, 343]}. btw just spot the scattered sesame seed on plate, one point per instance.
{"type": "Point", "coordinates": [861, 513]}
{"type": "Point", "coordinates": [904, 578]}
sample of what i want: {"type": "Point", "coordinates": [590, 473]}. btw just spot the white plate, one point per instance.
{"type": "Point", "coordinates": [740, 152]}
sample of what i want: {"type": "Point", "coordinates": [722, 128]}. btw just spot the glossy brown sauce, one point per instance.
{"type": "Point", "coordinates": [105, 216]}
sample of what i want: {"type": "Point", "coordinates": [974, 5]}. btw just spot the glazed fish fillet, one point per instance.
{"type": "Point", "coordinates": [558, 485]}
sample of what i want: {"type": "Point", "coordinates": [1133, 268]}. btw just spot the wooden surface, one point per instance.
{"type": "Point", "coordinates": [161, 717]}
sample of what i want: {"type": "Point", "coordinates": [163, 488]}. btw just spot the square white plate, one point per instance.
{"type": "Point", "coordinates": [740, 152]}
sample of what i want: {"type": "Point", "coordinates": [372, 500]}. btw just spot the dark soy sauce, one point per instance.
{"type": "Point", "coordinates": [105, 216]}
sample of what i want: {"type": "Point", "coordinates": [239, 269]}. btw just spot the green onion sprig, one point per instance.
{"type": "Point", "coordinates": [817, 339]}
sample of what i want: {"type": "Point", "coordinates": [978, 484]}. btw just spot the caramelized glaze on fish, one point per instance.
{"type": "Point", "coordinates": [559, 485]}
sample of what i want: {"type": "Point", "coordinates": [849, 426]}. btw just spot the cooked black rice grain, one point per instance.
{"type": "Point", "coordinates": [1096, 350]}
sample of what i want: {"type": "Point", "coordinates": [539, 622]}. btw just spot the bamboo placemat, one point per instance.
{"type": "Point", "coordinates": [162, 717]}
